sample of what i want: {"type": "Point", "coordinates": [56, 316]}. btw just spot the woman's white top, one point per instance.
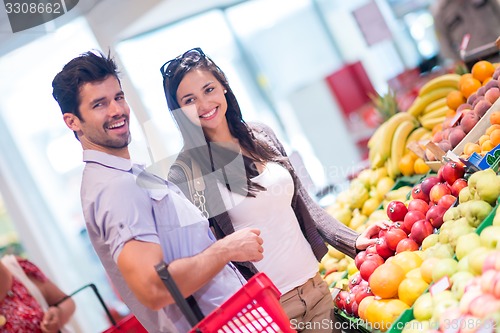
{"type": "Point", "coordinates": [288, 258]}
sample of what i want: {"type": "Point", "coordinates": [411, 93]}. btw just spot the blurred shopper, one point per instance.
{"type": "Point", "coordinates": [453, 19]}
{"type": "Point", "coordinates": [29, 300]}
{"type": "Point", "coordinates": [136, 220]}
{"type": "Point", "coordinates": [250, 183]}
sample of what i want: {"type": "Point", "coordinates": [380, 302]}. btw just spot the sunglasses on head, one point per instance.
{"type": "Point", "coordinates": [188, 58]}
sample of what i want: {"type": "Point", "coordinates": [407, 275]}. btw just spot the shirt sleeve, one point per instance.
{"type": "Point", "coordinates": [123, 211]}
{"type": "Point", "coordinates": [31, 269]}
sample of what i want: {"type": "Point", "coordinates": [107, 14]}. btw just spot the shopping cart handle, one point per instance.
{"type": "Point", "coordinates": [187, 311]}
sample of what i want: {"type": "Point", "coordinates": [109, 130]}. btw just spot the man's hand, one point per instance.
{"type": "Point", "coordinates": [244, 245]}
{"type": "Point", "coordinates": [367, 237]}
{"type": "Point", "coordinates": [51, 322]}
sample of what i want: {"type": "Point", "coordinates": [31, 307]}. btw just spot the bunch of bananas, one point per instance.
{"type": "Point", "coordinates": [430, 105]}
{"type": "Point", "coordinates": [387, 145]}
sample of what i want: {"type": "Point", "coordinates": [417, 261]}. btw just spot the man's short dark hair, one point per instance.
{"type": "Point", "coordinates": [91, 66]}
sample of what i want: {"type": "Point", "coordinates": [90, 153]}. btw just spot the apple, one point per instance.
{"type": "Point", "coordinates": [363, 292]}
{"type": "Point", "coordinates": [435, 215]}
{"type": "Point", "coordinates": [483, 305]}
{"type": "Point", "coordinates": [359, 259]}
{"type": "Point", "coordinates": [430, 241]}
{"type": "Point", "coordinates": [444, 267]}
{"type": "Point", "coordinates": [438, 191]}
{"type": "Point", "coordinates": [383, 249]}
{"type": "Point", "coordinates": [410, 218]}
{"type": "Point", "coordinates": [477, 258]}
{"type": "Point", "coordinates": [453, 171]}
{"type": "Point", "coordinates": [447, 201]}
{"type": "Point", "coordinates": [371, 249]}
{"type": "Point", "coordinates": [492, 261]}
{"type": "Point", "coordinates": [396, 210]}
{"type": "Point", "coordinates": [340, 300]}
{"type": "Point", "coordinates": [394, 236]}
{"type": "Point", "coordinates": [417, 193]}
{"type": "Point", "coordinates": [423, 307]}
{"type": "Point", "coordinates": [406, 244]}
{"type": "Point", "coordinates": [420, 230]}
{"type": "Point", "coordinates": [428, 183]}
{"type": "Point", "coordinates": [370, 265]}
{"type": "Point", "coordinates": [354, 280]}
{"type": "Point", "coordinates": [488, 279]}
{"type": "Point", "coordinates": [457, 186]}
{"type": "Point", "coordinates": [459, 281]}
{"type": "Point", "coordinates": [490, 237]}
{"type": "Point", "coordinates": [418, 204]}
{"type": "Point", "coordinates": [466, 244]}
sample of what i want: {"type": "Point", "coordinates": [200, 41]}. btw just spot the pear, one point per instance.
{"type": "Point", "coordinates": [453, 213]}
{"type": "Point", "coordinates": [466, 244]}
{"type": "Point", "coordinates": [476, 211]}
{"type": "Point", "coordinates": [465, 195]}
{"type": "Point", "coordinates": [486, 185]}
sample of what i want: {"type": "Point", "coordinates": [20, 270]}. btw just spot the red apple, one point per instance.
{"type": "Point", "coordinates": [407, 244]}
{"type": "Point", "coordinates": [359, 259]}
{"type": "Point", "coordinates": [369, 266]}
{"type": "Point", "coordinates": [417, 193]}
{"type": "Point", "coordinates": [341, 298]}
{"type": "Point", "coordinates": [428, 183]}
{"type": "Point", "coordinates": [453, 171]}
{"type": "Point", "coordinates": [447, 201]}
{"type": "Point", "coordinates": [438, 191]}
{"type": "Point", "coordinates": [410, 218]}
{"type": "Point", "coordinates": [371, 249]}
{"type": "Point", "coordinates": [363, 292]}
{"type": "Point", "coordinates": [354, 280]}
{"type": "Point", "coordinates": [440, 174]}
{"type": "Point", "coordinates": [420, 230]}
{"type": "Point", "coordinates": [492, 261]}
{"type": "Point", "coordinates": [394, 236]}
{"type": "Point", "coordinates": [435, 215]}
{"type": "Point", "coordinates": [418, 204]}
{"type": "Point", "coordinates": [383, 249]}
{"type": "Point", "coordinates": [457, 186]}
{"type": "Point", "coordinates": [396, 210]}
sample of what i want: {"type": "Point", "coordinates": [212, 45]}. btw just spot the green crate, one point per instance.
{"type": "Point", "coordinates": [488, 220]}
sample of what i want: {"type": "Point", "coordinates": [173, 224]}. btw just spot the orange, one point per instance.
{"type": "Point", "coordinates": [487, 146]}
{"type": "Point", "coordinates": [406, 165]}
{"type": "Point", "coordinates": [363, 305]}
{"type": "Point", "coordinates": [490, 129]}
{"type": "Point", "coordinates": [495, 118]}
{"type": "Point", "coordinates": [420, 166]}
{"type": "Point", "coordinates": [385, 280]}
{"type": "Point", "coordinates": [411, 289]}
{"type": "Point", "coordinates": [470, 86]}
{"type": "Point", "coordinates": [450, 113]}
{"type": "Point", "coordinates": [483, 138]}
{"type": "Point", "coordinates": [407, 260]}
{"type": "Point", "coordinates": [454, 99]}
{"type": "Point", "coordinates": [427, 267]}
{"type": "Point", "coordinates": [482, 70]}
{"type": "Point", "coordinates": [463, 78]}
{"type": "Point", "coordinates": [391, 310]}
{"type": "Point", "coordinates": [495, 137]}
{"type": "Point", "coordinates": [470, 147]}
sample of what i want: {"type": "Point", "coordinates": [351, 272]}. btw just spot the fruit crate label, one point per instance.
{"type": "Point", "coordinates": [440, 286]}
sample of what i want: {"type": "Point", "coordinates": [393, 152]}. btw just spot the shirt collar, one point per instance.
{"type": "Point", "coordinates": [107, 160]}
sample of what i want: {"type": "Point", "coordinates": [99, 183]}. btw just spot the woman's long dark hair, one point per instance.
{"type": "Point", "coordinates": [213, 156]}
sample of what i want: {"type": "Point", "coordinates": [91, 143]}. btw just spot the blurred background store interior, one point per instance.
{"type": "Point", "coordinates": [304, 67]}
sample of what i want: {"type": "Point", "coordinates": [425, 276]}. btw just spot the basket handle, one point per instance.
{"type": "Point", "coordinates": [99, 297]}
{"type": "Point", "coordinates": [192, 317]}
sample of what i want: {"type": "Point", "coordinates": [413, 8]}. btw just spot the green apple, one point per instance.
{"type": "Point", "coordinates": [490, 237]}
{"type": "Point", "coordinates": [429, 241]}
{"type": "Point", "coordinates": [453, 213]}
{"type": "Point", "coordinates": [458, 282]}
{"type": "Point", "coordinates": [463, 264]}
{"type": "Point", "coordinates": [476, 212]}
{"type": "Point", "coordinates": [465, 195]}
{"type": "Point", "coordinates": [445, 267]}
{"type": "Point", "coordinates": [476, 259]}
{"type": "Point", "coordinates": [486, 185]}
{"type": "Point", "coordinates": [466, 243]}
{"type": "Point", "coordinates": [441, 306]}
{"type": "Point", "coordinates": [423, 307]}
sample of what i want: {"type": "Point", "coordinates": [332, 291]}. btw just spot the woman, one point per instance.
{"type": "Point", "coordinates": [249, 182]}
{"type": "Point", "coordinates": [28, 299]}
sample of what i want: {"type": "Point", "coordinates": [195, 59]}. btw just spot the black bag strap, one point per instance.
{"type": "Point", "coordinates": [189, 307]}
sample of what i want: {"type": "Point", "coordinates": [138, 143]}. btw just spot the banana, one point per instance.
{"type": "Point", "coordinates": [417, 134]}
{"type": "Point", "coordinates": [431, 122]}
{"type": "Point", "coordinates": [398, 144]}
{"type": "Point", "coordinates": [447, 80]}
{"type": "Point", "coordinates": [421, 102]}
{"type": "Point", "coordinates": [383, 144]}
{"type": "Point", "coordinates": [437, 113]}
{"type": "Point", "coordinates": [435, 105]}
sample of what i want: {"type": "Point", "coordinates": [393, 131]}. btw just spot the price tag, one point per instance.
{"type": "Point", "coordinates": [441, 285]}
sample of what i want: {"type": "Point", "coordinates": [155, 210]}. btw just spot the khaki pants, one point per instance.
{"type": "Point", "coordinates": [310, 306]}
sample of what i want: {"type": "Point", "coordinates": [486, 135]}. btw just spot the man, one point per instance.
{"type": "Point", "coordinates": [136, 220]}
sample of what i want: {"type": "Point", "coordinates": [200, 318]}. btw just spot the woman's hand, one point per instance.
{"type": "Point", "coordinates": [51, 322]}
{"type": "Point", "coordinates": [368, 237]}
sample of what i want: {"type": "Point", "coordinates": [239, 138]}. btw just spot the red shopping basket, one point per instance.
{"type": "Point", "coordinates": [129, 324]}
{"type": "Point", "coordinates": [253, 308]}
